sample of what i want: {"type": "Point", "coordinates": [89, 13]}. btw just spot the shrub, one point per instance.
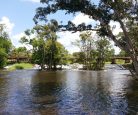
{"type": "Point", "coordinates": [19, 67]}
{"type": "Point", "coordinates": [2, 58]}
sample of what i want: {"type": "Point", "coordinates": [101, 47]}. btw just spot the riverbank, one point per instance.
{"type": "Point", "coordinates": [19, 66]}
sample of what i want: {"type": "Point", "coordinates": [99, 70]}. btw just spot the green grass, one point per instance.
{"type": "Point", "coordinates": [108, 62]}
{"type": "Point", "coordinates": [21, 66]}
{"type": "Point", "coordinates": [118, 61]}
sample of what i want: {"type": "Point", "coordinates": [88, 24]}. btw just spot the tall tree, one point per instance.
{"type": "Point", "coordinates": [104, 12]}
{"type": "Point", "coordinates": [104, 49]}
{"type": "Point", "coordinates": [46, 49]}
{"type": "Point", "coordinates": [5, 45]}
{"type": "Point", "coordinates": [94, 53]}
{"type": "Point", "coordinates": [86, 45]}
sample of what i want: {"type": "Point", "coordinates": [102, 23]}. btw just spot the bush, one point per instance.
{"type": "Point", "coordinates": [3, 58]}
{"type": "Point", "coordinates": [19, 67]}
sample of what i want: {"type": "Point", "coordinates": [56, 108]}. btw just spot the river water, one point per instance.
{"type": "Point", "coordinates": [70, 92]}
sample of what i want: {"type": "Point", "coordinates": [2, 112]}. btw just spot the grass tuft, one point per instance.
{"type": "Point", "coordinates": [21, 66]}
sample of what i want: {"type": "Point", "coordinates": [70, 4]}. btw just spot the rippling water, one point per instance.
{"type": "Point", "coordinates": [31, 92]}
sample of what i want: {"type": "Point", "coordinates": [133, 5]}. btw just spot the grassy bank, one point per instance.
{"type": "Point", "coordinates": [121, 62]}
{"type": "Point", "coordinates": [21, 66]}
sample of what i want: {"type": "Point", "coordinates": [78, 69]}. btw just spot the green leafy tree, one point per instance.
{"type": "Point", "coordinates": [3, 58]}
{"type": "Point", "coordinates": [46, 49]}
{"type": "Point", "coordinates": [122, 53]}
{"type": "Point", "coordinates": [86, 45]}
{"type": "Point", "coordinates": [55, 54]}
{"type": "Point", "coordinates": [5, 45]}
{"type": "Point", "coordinates": [103, 49]}
{"type": "Point", "coordinates": [93, 53]}
{"type": "Point", "coordinates": [78, 57]}
{"type": "Point", "coordinates": [104, 12]}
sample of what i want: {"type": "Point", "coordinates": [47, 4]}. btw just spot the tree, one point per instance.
{"type": "Point", "coordinates": [20, 52]}
{"type": "Point", "coordinates": [104, 50]}
{"type": "Point", "coordinates": [78, 57]}
{"type": "Point", "coordinates": [55, 54]}
{"type": "Point", "coordinates": [5, 45]}
{"type": "Point", "coordinates": [104, 12]}
{"type": "Point", "coordinates": [86, 44]}
{"type": "Point", "coordinates": [94, 53]}
{"type": "Point", "coordinates": [3, 58]}
{"type": "Point", "coordinates": [46, 49]}
{"type": "Point", "coordinates": [43, 33]}
{"type": "Point", "coordinates": [122, 53]}
{"type": "Point", "coordinates": [132, 30]}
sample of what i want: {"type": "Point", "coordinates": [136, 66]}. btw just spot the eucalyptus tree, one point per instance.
{"type": "Point", "coordinates": [86, 45]}
{"type": "Point", "coordinates": [94, 52]}
{"type": "Point", "coordinates": [46, 50]}
{"type": "Point", "coordinates": [104, 52]}
{"type": "Point", "coordinates": [104, 12]}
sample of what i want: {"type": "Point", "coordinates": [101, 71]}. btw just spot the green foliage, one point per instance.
{"type": "Point", "coordinates": [123, 53]}
{"type": "Point", "coordinates": [55, 54]}
{"type": "Point", "coordinates": [104, 12]}
{"type": "Point", "coordinates": [20, 52]}
{"type": "Point", "coordinates": [3, 58]}
{"type": "Point", "coordinates": [78, 57]}
{"type": "Point", "coordinates": [21, 66]}
{"type": "Point", "coordinates": [46, 50]}
{"type": "Point", "coordinates": [5, 45]}
{"type": "Point", "coordinates": [132, 30]}
{"type": "Point", "coordinates": [93, 53]}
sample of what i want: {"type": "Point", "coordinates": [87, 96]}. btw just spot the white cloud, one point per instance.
{"type": "Point", "coordinates": [8, 24]}
{"type": "Point", "coordinates": [116, 27]}
{"type": "Point", "coordinates": [81, 18]}
{"type": "Point", "coordinates": [117, 49]}
{"type": "Point", "coordinates": [16, 38]}
{"type": "Point", "coordinates": [66, 38]}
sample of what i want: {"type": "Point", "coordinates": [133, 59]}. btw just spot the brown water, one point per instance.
{"type": "Point", "coordinates": [31, 92]}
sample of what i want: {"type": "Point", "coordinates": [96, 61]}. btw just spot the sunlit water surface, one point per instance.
{"type": "Point", "coordinates": [31, 92]}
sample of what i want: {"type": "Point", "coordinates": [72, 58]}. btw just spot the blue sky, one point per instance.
{"type": "Point", "coordinates": [18, 15]}
{"type": "Point", "coordinates": [21, 13]}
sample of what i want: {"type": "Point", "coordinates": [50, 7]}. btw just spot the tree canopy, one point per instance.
{"type": "Point", "coordinates": [46, 52]}
{"type": "Point", "coordinates": [94, 52]}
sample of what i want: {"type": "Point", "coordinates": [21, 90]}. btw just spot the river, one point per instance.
{"type": "Point", "coordinates": [68, 92]}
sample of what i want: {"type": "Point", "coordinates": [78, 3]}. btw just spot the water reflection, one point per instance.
{"type": "Point", "coordinates": [68, 93]}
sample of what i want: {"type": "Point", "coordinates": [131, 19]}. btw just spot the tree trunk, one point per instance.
{"type": "Point", "coordinates": [130, 46]}
{"type": "Point", "coordinates": [127, 48]}
{"type": "Point", "coordinates": [135, 63]}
